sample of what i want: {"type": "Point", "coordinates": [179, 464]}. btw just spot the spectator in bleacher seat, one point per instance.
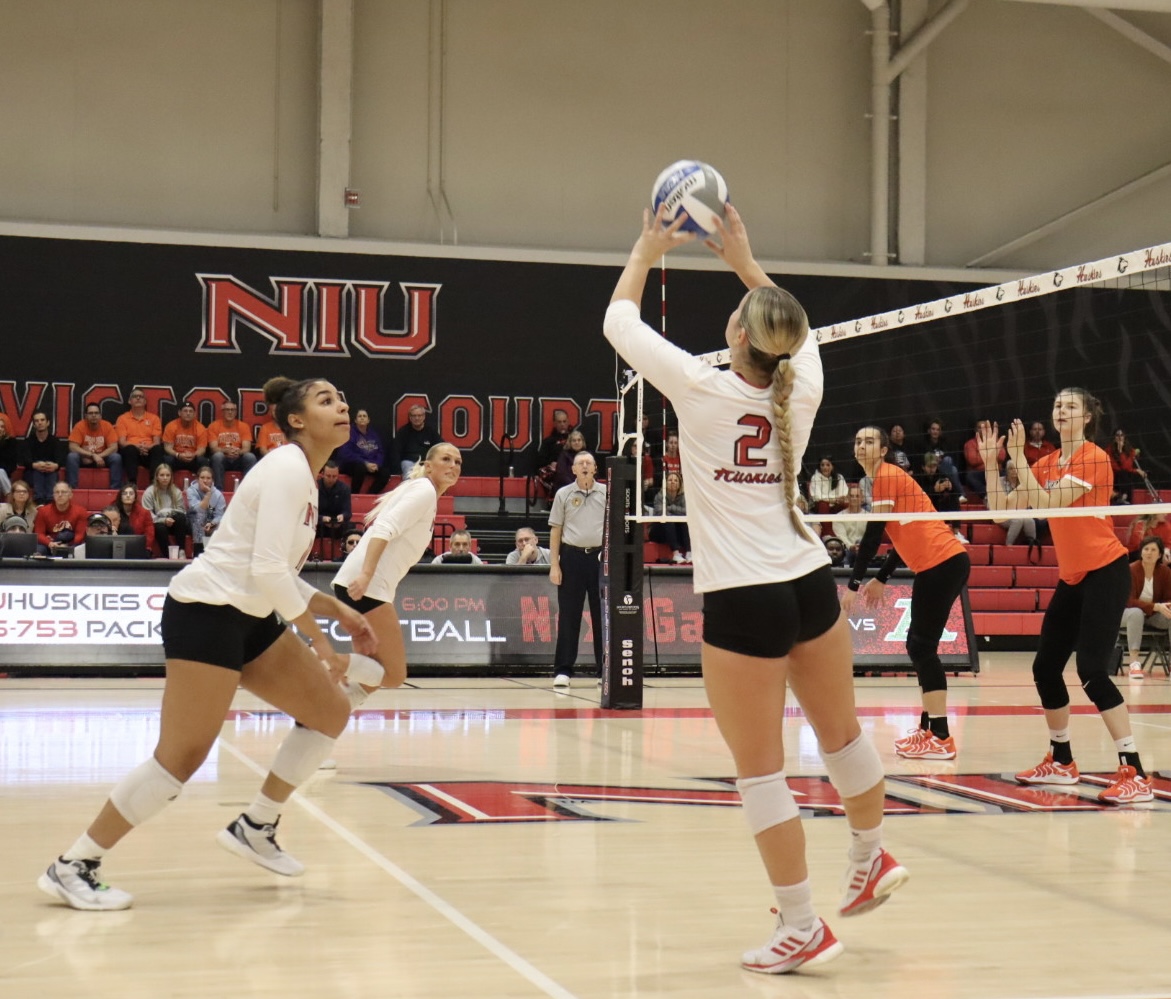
{"type": "Point", "coordinates": [60, 523]}
{"type": "Point", "coordinates": [1142, 528]}
{"type": "Point", "coordinates": [9, 455]}
{"type": "Point", "coordinates": [827, 487]}
{"type": "Point", "coordinates": [975, 474]}
{"type": "Point", "coordinates": [414, 439]}
{"type": "Point", "coordinates": [575, 444]}
{"type": "Point", "coordinates": [1017, 527]}
{"type": "Point", "coordinates": [1037, 446]}
{"type": "Point", "coordinates": [164, 502]}
{"type": "Point", "coordinates": [98, 525]}
{"type": "Point", "coordinates": [936, 441]}
{"type": "Point", "coordinates": [44, 455]}
{"type": "Point", "coordinates": [20, 503]}
{"type": "Point", "coordinates": [350, 541]}
{"type": "Point", "coordinates": [550, 450]}
{"type": "Point", "coordinates": [1127, 471]}
{"type": "Point", "coordinates": [229, 442]}
{"type": "Point", "coordinates": [528, 550]}
{"type": "Point", "coordinates": [459, 551]}
{"type": "Point", "coordinates": [114, 516]}
{"type": "Point", "coordinates": [205, 508]}
{"type": "Point", "coordinates": [140, 437]}
{"type": "Point", "coordinates": [14, 525]}
{"type": "Point", "coordinates": [335, 513]}
{"type": "Point", "coordinates": [897, 455]}
{"type": "Point", "coordinates": [185, 441]}
{"type": "Point", "coordinates": [1149, 605]}
{"type": "Point", "coordinates": [850, 531]}
{"type": "Point", "coordinates": [364, 455]}
{"type": "Point", "coordinates": [93, 442]}
{"type": "Point", "coordinates": [671, 461]}
{"type": "Point", "coordinates": [269, 437]}
{"type": "Point", "coordinates": [936, 485]}
{"type": "Point", "coordinates": [835, 548]}
{"type": "Point", "coordinates": [672, 502]}
{"type": "Point", "coordinates": [135, 518]}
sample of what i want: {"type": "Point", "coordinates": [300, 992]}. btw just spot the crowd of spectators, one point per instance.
{"type": "Point", "coordinates": [188, 465]}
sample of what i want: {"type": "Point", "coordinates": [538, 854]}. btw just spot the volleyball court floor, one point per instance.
{"type": "Point", "coordinates": [490, 837]}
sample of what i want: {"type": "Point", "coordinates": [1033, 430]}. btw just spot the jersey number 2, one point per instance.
{"type": "Point", "coordinates": [761, 434]}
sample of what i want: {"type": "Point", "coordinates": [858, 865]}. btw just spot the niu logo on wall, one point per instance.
{"type": "Point", "coordinates": [318, 317]}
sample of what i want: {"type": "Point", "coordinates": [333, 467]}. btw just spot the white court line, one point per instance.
{"type": "Point", "coordinates": [445, 909]}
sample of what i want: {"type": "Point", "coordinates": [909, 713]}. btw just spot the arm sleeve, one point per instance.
{"type": "Point", "coordinates": [670, 368]}
{"type": "Point", "coordinates": [892, 562]}
{"type": "Point", "coordinates": [867, 547]}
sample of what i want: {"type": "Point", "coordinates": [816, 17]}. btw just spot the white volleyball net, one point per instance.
{"type": "Point", "coordinates": [994, 353]}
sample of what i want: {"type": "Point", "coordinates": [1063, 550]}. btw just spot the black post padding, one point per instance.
{"type": "Point", "coordinates": [622, 612]}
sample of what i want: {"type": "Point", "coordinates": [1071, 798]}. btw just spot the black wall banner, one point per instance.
{"type": "Point", "coordinates": [492, 347]}
{"type": "Point", "coordinates": [70, 616]}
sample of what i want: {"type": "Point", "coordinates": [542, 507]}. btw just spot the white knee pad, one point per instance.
{"type": "Point", "coordinates": [302, 752]}
{"type": "Point", "coordinates": [767, 801]}
{"type": "Point", "coordinates": [363, 669]}
{"type": "Point", "coordinates": [854, 769]}
{"type": "Point", "coordinates": [144, 792]}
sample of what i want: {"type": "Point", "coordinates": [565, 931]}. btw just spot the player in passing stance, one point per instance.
{"type": "Point", "coordinates": [398, 532]}
{"type": "Point", "coordinates": [1092, 590]}
{"type": "Point", "coordinates": [941, 567]}
{"type": "Point", "coordinates": [771, 613]}
{"type": "Point", "coordinates": [220, 632]}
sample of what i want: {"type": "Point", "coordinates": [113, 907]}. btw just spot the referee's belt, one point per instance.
{"type": "Point", "coordinates": [578, 548]}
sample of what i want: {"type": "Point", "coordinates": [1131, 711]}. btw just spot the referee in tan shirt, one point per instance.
{"type": "Point", "coordinates": [576, 523]}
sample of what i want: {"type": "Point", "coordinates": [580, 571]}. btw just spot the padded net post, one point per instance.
{"type": "Point", "coordinates": [622, 616]}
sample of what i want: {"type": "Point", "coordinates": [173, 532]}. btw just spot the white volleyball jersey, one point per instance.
{"type": "Point", "coordinates": [405, 523]}
{"type": "Point", "coordinates": [254, 559]}
{"type": "Point", "coordinates": [733, 475]}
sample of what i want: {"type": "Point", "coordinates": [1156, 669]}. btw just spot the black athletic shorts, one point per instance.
{"type": "Point", "coordinates": [217, 634]}
{"type": "Point", "coordinates": [768, 619]}
{"type": "Point", "coordinates": [363, 606]}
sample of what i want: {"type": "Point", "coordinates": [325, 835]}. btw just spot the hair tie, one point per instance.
{"type": "Point", "coordinates": [784, 357]}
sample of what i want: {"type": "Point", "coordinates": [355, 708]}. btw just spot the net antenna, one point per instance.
{"type": "Point", "coordinates": [1147, 269]}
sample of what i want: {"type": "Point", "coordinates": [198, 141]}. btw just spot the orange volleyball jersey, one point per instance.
{"type": "Point", "coordinates": [922, 544]}
{"type": "Point", "coordinates": [1083, 544]}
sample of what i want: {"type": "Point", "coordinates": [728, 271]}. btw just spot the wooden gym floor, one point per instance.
{"type": "Point", "coordinates": [492, 838]}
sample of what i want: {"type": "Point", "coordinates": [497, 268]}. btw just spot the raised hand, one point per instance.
{"type": "Point", "coordinates": [658, 236]}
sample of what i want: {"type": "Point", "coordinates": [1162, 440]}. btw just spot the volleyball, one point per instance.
{"type": "Point", "coordinates": [693, 187]}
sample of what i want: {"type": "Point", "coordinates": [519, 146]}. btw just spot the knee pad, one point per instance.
{"type": "Point", "coordinates": [767, 801]}
{"type": "Point", "coordinates": [144, 792]}
{"type": "Point", "coordinates": [301, 754]}
{"type": "Point", "coordinates": [364, 670]}
{"type": "Point", "coordinates": [854, 769]}
{"type": "Point", "coordinates": [1101, 690]}
{"type": "Point", "coordinates": [924, 655]}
